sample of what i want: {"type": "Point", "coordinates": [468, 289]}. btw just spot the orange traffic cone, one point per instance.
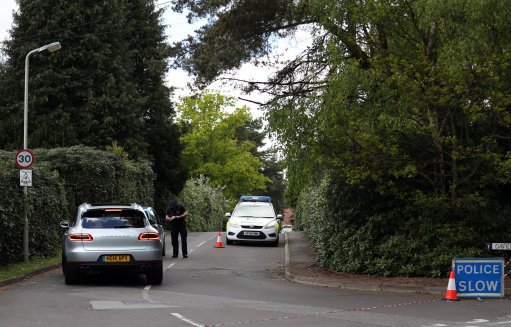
{"type": "Point", "coordinates": [450, 294]}
{"type": "Point", "coordinates": [219, 241]}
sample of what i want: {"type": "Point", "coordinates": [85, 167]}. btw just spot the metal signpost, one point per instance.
{"type": "Point", "coordinates": [24, 159]}
{"type": "Point", "coordinates": [479, 277]}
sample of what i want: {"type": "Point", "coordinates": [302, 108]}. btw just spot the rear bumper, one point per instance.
{"type": "Point", "coordinates": [134, 267]}
{"type": "Point", "coordinates": [78, 254]}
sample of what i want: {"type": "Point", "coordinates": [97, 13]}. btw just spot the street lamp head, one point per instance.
{"type": "Point", "coordinates": [52, 47]}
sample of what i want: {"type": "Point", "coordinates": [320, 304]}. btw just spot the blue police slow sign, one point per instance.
{"type": "Point", "coordinates": [482, 278]}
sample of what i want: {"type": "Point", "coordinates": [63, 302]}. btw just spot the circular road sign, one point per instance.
{"type": "Point", "coordinates": [24, 159]}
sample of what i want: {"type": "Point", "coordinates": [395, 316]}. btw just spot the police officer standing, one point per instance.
{"type": "Point", "coordinates": [177, 214]}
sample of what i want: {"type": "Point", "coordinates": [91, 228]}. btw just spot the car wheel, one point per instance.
{"type": "Point", "coordinates": [155, 276]}
{"type": "Point", "coordinates": [163, 250]}
{"type": "Point", "coordinates": [63, 264]}
{"type": "Point", "coordinates": [228, 241]}
{"type": "Point", "coordinates": [276, 243]}
{"type": "Point", "coordinates": [71, 275]}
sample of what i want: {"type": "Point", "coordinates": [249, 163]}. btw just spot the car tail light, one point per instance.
{"type": "Point", "coordinates": [80, 237]}
{"type": "Point", "coordinates": [149, 236]}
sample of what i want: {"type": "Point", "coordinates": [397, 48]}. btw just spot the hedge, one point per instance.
{"type": "Point", "coordinates": [46, 203]}
{"type": "Point", "coordinates": [62, 179]}
{"type": "Point", "coordinates": [359, 231]}
{"type": "Point", "coordinates": [95, 176]}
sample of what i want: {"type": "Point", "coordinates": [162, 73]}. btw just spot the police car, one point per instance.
{"type": "Point", "coordinates": [253, 220]}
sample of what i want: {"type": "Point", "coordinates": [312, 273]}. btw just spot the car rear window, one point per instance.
{"type": "Point", "coordinates": [259, 211]}
{"type": "Point", "coordinates": [112, 218]}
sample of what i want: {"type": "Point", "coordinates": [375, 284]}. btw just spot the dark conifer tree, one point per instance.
{"type": "Point", "coordinates": [105, 85]}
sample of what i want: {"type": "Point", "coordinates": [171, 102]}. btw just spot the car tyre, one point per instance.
{"type": "Point", "coordinates": [228, 241]}
{"type": "Point", "coordinates": [163, 250]}
{"type": "Point", "coordinates": [70, 275]}
{"type": "Point", "coordinates": [155, 276]}
{"type": "Point", "coordinates": [63, 265]}
{"type": "Point", "coordinates": [276, 242]}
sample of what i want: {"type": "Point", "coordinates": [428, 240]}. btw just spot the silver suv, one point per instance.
{"type": "Point", "coordinates": [111, 238]}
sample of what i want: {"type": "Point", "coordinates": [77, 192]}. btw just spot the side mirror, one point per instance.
{"type": "Point", "coordinates": [64, 224]}
{"type": "Point", "coordinates": [228, 215]}
{"type": "Point", "coordinates": [280, 217]}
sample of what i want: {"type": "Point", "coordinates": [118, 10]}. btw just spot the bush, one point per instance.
{"type": "Point", "coordinates": [46, 206]}
{"type": "Point", "coordinates": [351, 231]}
{"type": "Point", "coordinates": [95, 176]}
{"type": "Point", "coordinates": [62, 179]}
{"type": "Point", "coordinates": [206, 205]}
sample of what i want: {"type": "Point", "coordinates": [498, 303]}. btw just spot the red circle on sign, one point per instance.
{"type": "Point", "coordinates": [24, 158]}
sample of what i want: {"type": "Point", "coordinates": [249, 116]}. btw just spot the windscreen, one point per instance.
{"type": "Point", "coordinates": [112, 218]}
{"type": "Point", "coordinates": [254, 211]}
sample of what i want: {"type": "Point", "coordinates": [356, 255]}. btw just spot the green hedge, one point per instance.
{"type": "Point", "coordinates": [359, 231]}
{"type": "Point", "coordinates": [47, 204]}
{"type": "Point", "coordinates": [95, 176]}
{"type": "Point", "coordinates": [62, 179]}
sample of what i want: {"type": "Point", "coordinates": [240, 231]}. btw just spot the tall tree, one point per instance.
{"type": "Point", "coordinates": [398, 112]}
{"type": "Point", "coordinates": [106, 85]}
{"type": "Point", "coordinates": [212, 149]}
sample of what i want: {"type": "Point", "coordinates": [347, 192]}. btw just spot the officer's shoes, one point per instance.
{"type": "Point", "coordinates": [174, 256]}
{"type": "Point", "coordinates": [185, 255]}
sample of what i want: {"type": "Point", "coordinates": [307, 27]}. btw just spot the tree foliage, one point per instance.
{"type": "Point", "coordinates": [405, 102]}
{"type": "Point", "coordinates": [106, 84]}
{"type": "Point", "coordinates": [212, 149]}
{"type": "Point", "coordinates": [206, 205]}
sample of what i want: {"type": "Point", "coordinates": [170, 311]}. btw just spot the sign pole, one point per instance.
{"type": "Point", "coordinates": [24, 159]}
{"type": "Point", "coordinates": [25, 227]}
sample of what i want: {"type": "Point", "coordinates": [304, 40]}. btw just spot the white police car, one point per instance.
{"type": "Point", "coordinates": [253, 220]}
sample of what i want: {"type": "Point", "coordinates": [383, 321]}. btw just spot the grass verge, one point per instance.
{"type": "Point", "coordinates": [21, 269]}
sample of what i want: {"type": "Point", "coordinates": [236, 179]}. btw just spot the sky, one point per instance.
{"type": "Point", "coordinates": [178, 29]}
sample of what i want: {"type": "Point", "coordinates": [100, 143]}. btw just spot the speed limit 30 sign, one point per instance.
{"type": "Point", "coordinates": [24, 159]}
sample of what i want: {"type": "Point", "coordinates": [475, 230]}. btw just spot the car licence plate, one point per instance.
{"type": "Point", "coordinates": [251, 233]}
{"type": "Point", "coordinates": [116, 258]}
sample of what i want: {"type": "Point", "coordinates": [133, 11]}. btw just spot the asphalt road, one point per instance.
{"type": "Point", "coordinates": [240, 285]}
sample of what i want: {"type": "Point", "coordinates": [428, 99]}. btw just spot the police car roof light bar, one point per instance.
{"type": "Point", "coordinates": [253, 198]}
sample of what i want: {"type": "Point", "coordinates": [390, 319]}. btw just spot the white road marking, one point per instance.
{"type": "Point", "coordinates": [193, 323]}
{"type": "Point", "coordinates": [118, 305]}
{"type": "Point", "coordinates": [170, 266]}
{"type": "Point", "coordinates": [200, 244]}
{"type": "Point", "coordinates": [500, 323]}
{"type": "Point", "coordinates": [477, 321]}
{"type": "Point", "coordinates": [145, 294]}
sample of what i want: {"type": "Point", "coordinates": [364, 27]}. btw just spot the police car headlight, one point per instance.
{"type": "Point", "coordinates": [234, 224]}
{"type": "Point", "coordinates": [271, 224]}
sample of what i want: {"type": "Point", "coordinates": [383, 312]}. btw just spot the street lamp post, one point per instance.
{"type": "Point", "coordinates": [55, 46]}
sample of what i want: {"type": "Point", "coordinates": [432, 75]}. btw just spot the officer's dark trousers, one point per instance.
{"type": "Point", "coordinates": [178, 227]}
